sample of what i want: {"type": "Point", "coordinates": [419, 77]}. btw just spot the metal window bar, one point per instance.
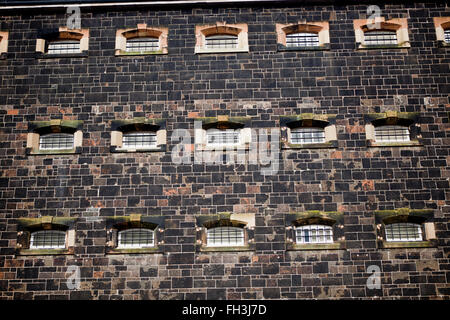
{"type": "Point", "coordinates": [225, 236]}
{"type": "Point", "coordinates": [64, 46]}
{"type": "Point", "coordinates": [391, 134]}
{"type": "Point", "coordinates": [48, 239]}
{"type": "Point", "coordinates": [56, 141]}
{"type": "Point", "coordinates": [222, 137]}
{"type": "Point", "coordinates": [403, 232]}
{"type": "Point", "coordinates": [221, 41]}
{"type": "Point", "coordinates": [136, 238]}
{"type": "Point", "coordinates": [314, 234]}
{"type": "Point", "coordinates": [385, 37]}
{"type": "Point", "coordinates": [307, 135]}
{"type": "Point", "coordinates": [303, 39]}
{"type": "Point", "coordinates": [447, 36]}
{"type": "Point", "coordinates": [136, 140]}
{"type": "Point", "coordinates": [142, 44]}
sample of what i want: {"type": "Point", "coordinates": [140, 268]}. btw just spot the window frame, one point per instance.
{"type": "Point", "coordinates": [441, 24]}
{"type": "Point", "coordinates": [240, 30]}
{"type": "Point", "coordinates": [403, 224]}
{"type": "Point", "coordinates": [211, 230]}
{"type": "Point", "coordinates": [34, 233]}
{"type": "Point", "coordinates": [52, 135]}
{"type": "Point", "coordinates": [397, 25]}
{"type": "Point", "coordinates": [142, 31]}
{"type": "Point", "coordinates": [309, 227]}
{"type": "Point", "coordinates": [62, 34]}
{"type": "Point", "coordinates": [130, 230]}
{"type": "Point", "coordinates": [321, 28]}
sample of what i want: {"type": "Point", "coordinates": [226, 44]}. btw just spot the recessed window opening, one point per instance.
{"type": "Point", "coordinates": [381, 37]}
{"type": "Point", "coordinates": [225, 236]}
{"type": "Point", "coordinates": [403, 232]}
{"type": "Point", "coordinates": [222, 137]}
{"type": "Point", "coordinates": [63, 46]}
{"type": "Point", "coordinates": [307, 135]}
{"type": "Point", "coordinates": [314, 234]}
{"type": "Point", "coordinates": [139, 139]}
{"type": "Point", "coordinates": [392, 134]}
{"type": "Point", "coordinates": [56, 141]}
{"type": "Point", "coordinates": [302, 39]}
{"type": "Point", "coordinates": [142, 44]}
{"type": "Point", "coordinates": [221, 41]}
{"type": "Point", "coordinates": [136, 238]}
{"type": "Point", "coordinates": [48, 239]}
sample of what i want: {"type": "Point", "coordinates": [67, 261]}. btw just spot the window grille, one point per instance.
{"type": "Point", "coordinates": [222, 137]}
{"type": "Point", "coordinates": [136, 238]}
{"type": "Point", "coordinates": [142, 44]}
{"type": "Point", "coordinates": [384, 37]}
{"type": "Point", "coordinates": [136, 140]}
{"type": "Point", "coordinates": [225, 236]}
{"type": "Point", "coordinates": [303, 39]}
{"type": "Point", "coordinates": [63, 46]}
{"type": "Point", "coordinates": [314, 234]}
{"type": "Point", "coordinates": [391, 133]}
{"type": "Point", "coordinates": [48, 239]}
{"type": "Point", "coordinates": [447, 36]}
{"type": "Point", "coordinates": [403, 232]}
{"type": "Point", "coordinates": [221, 41]}
{"type": "Point", "coordinates": [56, 141]}
{"type": "Point", "coordinates": [307, 135]}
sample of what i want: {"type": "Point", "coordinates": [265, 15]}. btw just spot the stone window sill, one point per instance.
{"type": "Point", "coordinates": [115, 149]}
{"type": "Point", "coordinates": [40, 55]}
{"type": "Point", "coordinates": [407, 244]}
{"type": "Point", "coordinates": [281, 48]}
{"type": "Point", "coordinates": [315, 246]}
{"type": "Point", "coordinates": [134, 251]}
{"type": "Point", "coordinates": [384, 46]}
{"type": "Point", "coordinates": [225, 249]}
{"type": "Point", "coordinates": [222, 148]}
{"type": "Point", "coordinates": [32, 152]}
{"type": "Point", "coordinates": [42, 252]}
{"type": "Point", "coordinates": [122, 53]}
{"type": "Point", "coordinates": [325, 145]}
{"type": "Point", "coordinates": [443, 44]}
{"type": "Point", "coordinates": [412, 143]}
{"type": "Point", "coordinates": [221, 50]}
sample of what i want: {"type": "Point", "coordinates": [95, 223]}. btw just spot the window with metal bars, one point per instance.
{"type": "Point", "coordinates": [221, 41]}
{"type": "Point", "coordinates": [63, 46]}
{"type": "Point", "coordinates": [225, 237]}
{"type": "Point", "coordinates": [314, 234]}
{"type": "Point", "coordinates": [302, 39]}
{"type": "Point", "coordinates": [380, 37]}
{"type": "Point", "coordinates": [48, 239]}
{"type": "Point", "coordinates": [142, 44]}
{"type": "Point", "coordinates": [139, 140]}
{"type": "Point", "coordinates": [307, 135]}
{"type": "Point", "coordinates": [136, 238]}
{"type": "Point", "coordinates": [217, 137]}
{"type": "Point", "coordinates": [447, 36]}
{"type": "Point", "coordinates": [56, 141]}
{"type": "Point", "coordinates": [403, 232]}
{"type": "Point", "coordinates": [392, 134]}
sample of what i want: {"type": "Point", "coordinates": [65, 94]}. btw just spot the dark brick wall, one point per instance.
{"type": "Point", "coordinates": [263, 84]}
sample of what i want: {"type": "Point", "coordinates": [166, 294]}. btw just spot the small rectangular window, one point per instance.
{"type": "Point", "coordinates": [303, 39]}
{"type": "Point", "coordinates": [62, 47]}
{"type": "Point", "coordinates": [136, 140]}
{"type": "Point", "coordinates": [142, 44]}
{"type": "Point", "coordinates": [56, 141]}
{"type": "Point", "coordinates": [48, 239]}
{"type": "Point", "coordinates": [307, 135]}
{"type": "Point", "coordinates": [447, 36]}
{"type": "Point", "coordinates": [403, 232]}
{"type": "Point", "coordinates": [221, 41]}
{"type": "Point", "coordinates": [391, 134]}
{"type": "Point", "coordinates": [216, 137]}
{"type": "Point", "coordinates": [136, 238]}
{"type": "Point", "coordinates": [376, 38]}
{"type": "Point", "coordinates": [314, 234]}
{"type": "Point", "coordinates": [225, 236]}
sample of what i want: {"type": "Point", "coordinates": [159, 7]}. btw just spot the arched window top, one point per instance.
{"type": "Point", "coordinates": [48, 239]}
{"type": "Point", "coordinates": [392, 133]}
{"type": "Point", "coordinates": [56, 141]}
{"type": "Point", "coordinates": [403, 231]}
{"type": "Point", "coordinates": [225, 236]}
{"type": "Point", "coordinates": [314, 233]}
{"type": "Point", "coordinates": [136, 238]}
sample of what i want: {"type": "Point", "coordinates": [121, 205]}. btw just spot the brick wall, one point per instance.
{"type": "Point", "coordinates": [263, 84]}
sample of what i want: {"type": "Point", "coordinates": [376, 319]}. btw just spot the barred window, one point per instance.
{"type": "Point", "coordinates": [63, 46]}
{"type": "Point", "coordinates": [391, 134]}
{"type": "Point", "coordinates": [216, 137]}
{"type": "Point", "coordinates": [303, 39]}
{"type": "Point", "coordinates": [139, 139]}
{"type": "Point", "coordinates": [380, 37]}
{"type": "Point", "coordinates": [48, 239]}
{"type": "Point", "coordinates": [403, 232]}
{"type": "Point", "coordinates": [447, 36]}
{"type": "Point", "coordinates": [142, 44]}
{"type": "Point", "coordinates": [307, 135]}
{"type": "Point", "coordinates": [221, 41]}
{"type": "Point", "coordinates": [225, 236]}
{"type": "Point", "coordinates": [136, 238]}
{"type": "Point", "coordinates": [56, 141]}
{"type": "Point", "coordinates": [314, 234]}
